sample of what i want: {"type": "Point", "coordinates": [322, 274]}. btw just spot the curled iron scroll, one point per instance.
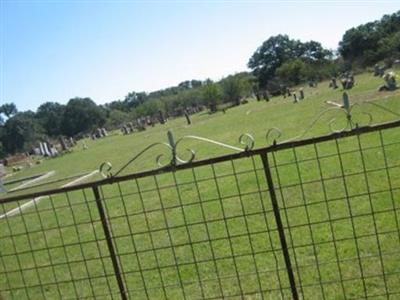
{"type": "Point", "coordinates": [247, 140]}
{"type": "Point", "coordinates": [105, 169]}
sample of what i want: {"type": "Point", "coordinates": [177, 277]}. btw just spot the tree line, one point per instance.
{"type": "Point", "coordinates": [279, 62]}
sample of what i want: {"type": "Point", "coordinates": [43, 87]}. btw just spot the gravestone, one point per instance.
{"type": "Point", "coordinates": [161, 117]}
{"type": "Point", "coordinates": [41, 147]}
{"type": "Point", "coordinates": [124, 130]}
{"type": "Point", "coordinates": [312, 83]}
{"type": "Point", "coordinates": [46, 149]}
{"type": "Point", "coordinates": [347, 80]}
{"type": "Point", "coordinates": [36, 151]}
{"type": "Point", "coordinates": [130, 127]}
{"type": "Point", "coordinates": [301, 94]}
{"type": "Point", "coordinates": [72, 142]}
{"type": "Point", "coordinates": [98, 133]}
{"type": "Point", "coordinates": [379, 70]}
{"type": "Point", "coordinates": [295, 98]}
{"type": "Point", "coordinates": [390, 80]}
{"type": "Point", "coordinates": [104, 132]}
{"type": "Point", "coordinates": [63, 144]}
{"type": "Point", "coordinates": [187, 118]}
{"type": "Point", "coordinates": [376, 70]}
{"type": "Point", "coordinates": [265, 95]}
{"type": "Point", "coordinates": [141, 124]}
{"type": "Point", "coordinates": [53, 151]}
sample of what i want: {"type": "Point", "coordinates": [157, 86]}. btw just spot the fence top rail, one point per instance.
{"type": "Point", "coordinates": [194, 164]}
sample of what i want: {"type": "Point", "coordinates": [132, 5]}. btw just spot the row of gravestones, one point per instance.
{"type": "Point", "coordinates": [286, 92]}
{"type": "Point", "coordinates": [140, 124]}
{"type": "Point", "coordinates": [300, 97]}
{"type": "Point", "coordinates": [47, 149]}
{"type": "Point", "coordinates": [346, 79]}
{"type": "Point", "coordinates": [99, 133]}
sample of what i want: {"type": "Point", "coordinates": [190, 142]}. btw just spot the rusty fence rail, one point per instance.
{"type": "Point", "coordinates": [311, 219]}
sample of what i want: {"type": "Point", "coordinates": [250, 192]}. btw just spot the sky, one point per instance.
{"type": "Point", "coordinates": [57, 50]}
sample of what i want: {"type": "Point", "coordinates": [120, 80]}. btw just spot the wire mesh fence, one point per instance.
{"type": "Point", "coordinates": [314, 219]}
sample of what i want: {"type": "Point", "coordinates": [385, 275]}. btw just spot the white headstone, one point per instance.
{"type": "Point", "coordinates": [41, 149]}
{"type": "Point", "coordinates": [46, 149]}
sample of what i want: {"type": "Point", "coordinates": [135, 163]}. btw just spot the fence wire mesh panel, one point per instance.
{"type": "Point", "coordinates": [316, 219]}
{"type": "Point", "coordinates": [340, 205]}
{"type": "Point", "coordinates": [54, 247]}
{"type": "Point", "coordinates": [201, 233]}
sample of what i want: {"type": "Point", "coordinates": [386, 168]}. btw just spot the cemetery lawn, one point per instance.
{"type": "Point", "coordinates": [220, 195]}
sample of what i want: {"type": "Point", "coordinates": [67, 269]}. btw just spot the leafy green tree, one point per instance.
{"type": "Point", "coordinates": [50, 116]}
{"type": "Point", "coordinates": [371, 42]}
{"type": "Point", "coordinates": [133, 100]}
{"type": "Point", "coordinates": [211, 95]}
{"type": "Point", "coordinates": [82, 115]}
{"type": "Point", "coordinates": [235, 87]}
{"type": "Point", "coordinates": [357, 41]}
{"type": "Point", "coordinates": [196, 83]}
{"type": "Point", "coordinates": [115, 118]}
{"type": "Point", "coordinates": [8, 109]}
{"type": "Point", "coordinates": [292, 72]}
{"type": "Point", "coordinates": [279, 49]}
{"type": "Point", "coordinates": [117, 105]}
{"type": "Point", "coordinates": [149, 108]}
{"type": "Point", "coordinates": [21, 132]}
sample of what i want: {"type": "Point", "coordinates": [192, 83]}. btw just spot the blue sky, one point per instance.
{"type": "Point", "coordinates": [57, 50]}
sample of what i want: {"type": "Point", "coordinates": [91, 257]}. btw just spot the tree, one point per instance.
{"type": "Point", "coordinates": [21, 132]}
{"type": "Point", "coordinates": [292, 72]}
{"type": "Point", "coordinates": [50, 116]}
{"type": "Point", "coordinates": [82, 115]}
{"type": "Point", "coordinates": [371, 42]}
{"type": "Point", "coordinates": [279, 49]}
{"type": "Point", "coordinates": [149, 108]}
{"type": "Point", "coordinates": [115, 118]}
{"type": "Point", "coordinates": [211, 95]}
{"type": "Point", "coordinates": [232, 89]}
{"type": "Point", "coordinates": [235, 87]}
{"type": "Point", "coordinates": [357, 41]}
{"type": "Point", "coordinates": [8, 109]}
{"type": "Point", "coordinates": [133, 100]}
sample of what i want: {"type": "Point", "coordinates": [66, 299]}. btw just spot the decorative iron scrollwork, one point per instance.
{"type": "Point", "coordinates": [346, 108]}
{"type": "Point", "coordinates": [245, 139]}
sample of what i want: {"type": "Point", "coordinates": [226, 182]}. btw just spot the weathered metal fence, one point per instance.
{"type": "Point", "coordinates": [310, 219]}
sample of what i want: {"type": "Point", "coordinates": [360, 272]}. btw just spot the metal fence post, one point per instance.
{"type": "Point", "coordinates": [110, 244]}
{"type": "Point", "coordinates": [279, 225]}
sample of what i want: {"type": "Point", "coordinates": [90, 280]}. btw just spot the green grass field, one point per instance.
{"type": "Point", "coordinates": [210, 232]}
